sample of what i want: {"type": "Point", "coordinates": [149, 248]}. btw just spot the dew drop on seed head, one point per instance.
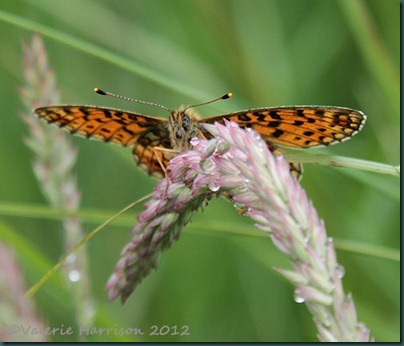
{"type": "Point", "coordinates": [340, 271]}
{"type": "Point", "coordinates": [207, 165]}
{"type": "Point", "coordinates": [223, 148]}
{"type": "Point", "coordinates": [71, 258]}
{"type": "Point", "coordinates": [74, 275]}
{"type": "Point", "coordinates": [213, 186]}
{"type": "Point", "coordinates": [298, 298]}
{"type": "Point", "coordinates": [255, 135]}
{"type": "Point", "coordinates": [194, 141]}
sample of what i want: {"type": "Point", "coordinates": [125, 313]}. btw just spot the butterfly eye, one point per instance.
{"type": "Point", "coordinates": [185, 122]}
{"type": "Point", "coordinates": [178, 134]}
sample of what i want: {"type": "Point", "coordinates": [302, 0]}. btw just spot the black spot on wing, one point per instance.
{"type": "Point", "coordinates": [274, 115]}
{"type": "Point", "coordinates": [274, 124]}
{"type": "Point", "coordinates": [278, 133]}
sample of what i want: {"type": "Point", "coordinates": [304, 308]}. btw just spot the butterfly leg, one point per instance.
{"type": "Point", "coordinates": [162, 153]}
{"type": "Point", "coordinates": [200, 134]}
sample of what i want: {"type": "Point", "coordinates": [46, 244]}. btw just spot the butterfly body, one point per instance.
{"type": "Point", "coordinates": [290, 126]}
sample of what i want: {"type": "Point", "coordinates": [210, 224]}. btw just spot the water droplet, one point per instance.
{"type": "Point", "coordinates": [255, 135]}
{"type": "Point", "coordinates": [261, 145]}
{"type": "Point", "coordinates": [340, 271]}
{"type": "Point", "coordinates": [71, 258]}
{"type": "Point", "coordinates": [194, 141]}
{"type": "Point", "coordinates": [223, 148]}
{"type": "Point", "coordinates": [213, 186]}
{"type": "Point", "coordinates": [74, 276]}
{"type": "Point", "coordinates": [298, 298]}
{"type": "Point", "coordinates": [207, 165]}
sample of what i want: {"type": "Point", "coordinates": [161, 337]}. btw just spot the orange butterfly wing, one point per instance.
{"type": "Point", "coordinates": [141, 132]}
{"type": "Point", "coordinates": [299, 126]}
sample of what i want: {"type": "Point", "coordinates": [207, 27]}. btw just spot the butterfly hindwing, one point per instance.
{"type": "Point", "coordinates": [148, 147]}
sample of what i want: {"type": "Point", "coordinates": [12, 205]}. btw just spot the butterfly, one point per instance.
{"type": "Point", "coordinates": [156, 140]}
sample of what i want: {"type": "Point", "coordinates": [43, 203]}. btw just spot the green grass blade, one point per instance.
{"type": "Point", "coordinates": [104, 54]}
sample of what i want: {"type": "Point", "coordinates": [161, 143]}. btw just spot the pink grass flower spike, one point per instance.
{"type": "Point", "coordinates": [238, 164]}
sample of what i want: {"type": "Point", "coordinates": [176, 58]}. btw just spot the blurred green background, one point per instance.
{"type": "Point", "coordinates": [267, 53]}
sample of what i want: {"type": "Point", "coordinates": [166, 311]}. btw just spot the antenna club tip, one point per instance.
{"type": "Point", "coordinates": [227, 96]}
{"type": "Point", "coordinates": [99, 91]}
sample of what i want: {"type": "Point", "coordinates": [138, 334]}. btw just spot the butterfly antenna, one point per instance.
{"type": "Point", "coordinates": [224, 97]}
{"type": "Point", "coordinates": [107, 93]}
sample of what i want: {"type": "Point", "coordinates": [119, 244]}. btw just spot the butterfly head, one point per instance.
{"type": "Point", "coordinates": [182, 128]}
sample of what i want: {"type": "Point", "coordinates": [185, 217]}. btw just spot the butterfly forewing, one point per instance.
{"type": "Point", "coordinates": [299, 126]}
{"type": "Point", "coordinates": [142, 132]}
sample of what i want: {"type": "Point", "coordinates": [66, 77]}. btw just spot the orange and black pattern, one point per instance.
{"type": "Point", "coordinates": [294, 126]}
{"type": "Point", "coordinates": [141, 132]}
{"type": "Point", "coordinates": [299, 126]}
